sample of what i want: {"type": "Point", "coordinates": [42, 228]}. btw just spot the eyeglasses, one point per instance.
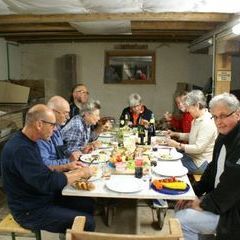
{"type": "Point", "coordinates": [223, 116]}
{"type": "Point", "coordinates": [50, 123]}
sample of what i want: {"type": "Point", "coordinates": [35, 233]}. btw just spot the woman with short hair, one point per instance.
{"type": "Point", "coordinates": [77, 132]}
{"type": "Point", "coordinates": [137, 113]}
{"type": "Point", "coordinates": [198, 152]}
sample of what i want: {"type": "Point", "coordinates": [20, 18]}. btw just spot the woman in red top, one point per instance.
{"type": "Point", "coordinates": [181, 123]}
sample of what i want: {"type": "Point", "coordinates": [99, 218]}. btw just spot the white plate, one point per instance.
{"type": "Point", "coordinates": [125, 185]}
{"type": "Point", "coordinates": [101, 152]}
{"type": "Point", "coordinates": [170, 171]}
{"type": "Point", "coordinates": [100, 158]}
{"type": "Point", "coordinates": [106, 135]}
{"type": "Point", "coordinates": [169, 155]}
{"type": "Point", "coordinates": [106, 146]}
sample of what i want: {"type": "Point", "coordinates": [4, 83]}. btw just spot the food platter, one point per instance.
{"type": "Point", "coordinates": [170, 191]}
{"type": "Point", "coordinates": [125, 185]}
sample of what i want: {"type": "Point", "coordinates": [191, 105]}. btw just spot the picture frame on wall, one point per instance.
{"type": "Point", "coordinates": [129, 67]}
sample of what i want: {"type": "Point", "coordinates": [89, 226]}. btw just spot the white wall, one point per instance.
{"type": "Point", "coordinates": [3, 60]}
{"type": "Point", "coordinates": [173, 64]}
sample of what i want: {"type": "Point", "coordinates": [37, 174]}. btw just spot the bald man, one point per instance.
{"type": "Point", "coordinates": [52, 150]}
{"type": "Point", "coordinates": [33, 190]}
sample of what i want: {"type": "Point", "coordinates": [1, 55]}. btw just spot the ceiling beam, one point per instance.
{"type": "Point", "coordinates": [172, 25]}
{"type": "Point", "coordinates": [175, 33]}
{"type": "Point", "coordinates": [98, 38]}
{"type": "Point", "coordinates": [203, 17]}
{"type": "Point", "coordinates": [30, 27]}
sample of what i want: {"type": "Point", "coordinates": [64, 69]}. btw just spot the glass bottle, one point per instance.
{"type": "Point", "coordinates": [138, 168]}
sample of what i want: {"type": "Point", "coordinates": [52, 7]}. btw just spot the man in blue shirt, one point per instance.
{"type": "Point", "coordinates": [33, 190]}
{"type": "Point", "coordinates": [53, 152]}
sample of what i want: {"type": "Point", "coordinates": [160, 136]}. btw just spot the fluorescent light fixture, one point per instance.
{"type": "Point", "coordinates": [236, 29]}
{"type": "Point", "coordinates": [210, 41]}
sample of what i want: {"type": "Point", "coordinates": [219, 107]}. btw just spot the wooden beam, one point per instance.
{"type": "Point", "coordinates": [172, 25]}
{"type": "Point", "coordinates": [175, 33]}
{"type": "Point", "coordinates": [30, 27]}
{"type": "Point", "coordinates": [55, 38]}
{"type": "Point", "coordinates": [203, 17]}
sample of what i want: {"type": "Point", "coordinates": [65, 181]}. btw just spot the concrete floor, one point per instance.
{"type": "Point", "coordinates": [124, 221]}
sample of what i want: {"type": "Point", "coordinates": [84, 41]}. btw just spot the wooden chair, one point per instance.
{"type": "Point", "coordinates": [9, 225]}
{"type": "Point", "coordinates": [77, 233]}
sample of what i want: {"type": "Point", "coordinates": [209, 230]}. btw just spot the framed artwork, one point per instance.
{"type": "Point", "coordinates": [129, 67]}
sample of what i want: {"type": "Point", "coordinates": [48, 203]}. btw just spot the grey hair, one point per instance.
{"type": "Point", "coordinates": [134, 99]}
{"type": "Point", "coordinates": [196, 97]}
{"type": "Point", "coordinates": [90, 107]}
{"type": "Point", "coordinates": [228, 99]}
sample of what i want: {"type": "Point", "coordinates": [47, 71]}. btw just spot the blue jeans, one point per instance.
{"type": "Point", "coordinates": [195, 224]}
{"type": "Point", "coordinates": [191, 166]}
{"type": "Point", "coordinates": [59, 216]}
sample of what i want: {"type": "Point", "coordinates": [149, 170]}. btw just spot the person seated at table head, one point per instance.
{"type": "Point", "coordinates": [198, 152]}
{"type": "Point", "coordinates": [77, 132]}
{"type": "Point", "coordinates": [33, 190]}
{"type": "Point", "coordinates": [182, 121]}
{"type": "Point", "coordinates": [216, 207]}
{"type": "Point", "coordinates": [52, 150]}
{"type": "Point", "coordinates": [79, 97]}
{"type": "Point", "coordinates": [137, 113]}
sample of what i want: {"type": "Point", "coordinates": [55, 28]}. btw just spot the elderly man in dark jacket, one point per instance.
{"type": "Point", "coordinates": [217, 207]}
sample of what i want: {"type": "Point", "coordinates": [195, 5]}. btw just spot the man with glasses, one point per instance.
{"type": "Point", "coordinates": [33, 190]}
{"type": "Point", "coordinates": [79, 97]}
{"type": "Point", "coordinates": [217, 207]}
{"type": "Point", "coordinates": [52, 150]}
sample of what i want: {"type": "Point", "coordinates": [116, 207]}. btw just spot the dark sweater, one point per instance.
{"type": "Point", "coordinates": [146, 115]}
{"type": "Point", "coordinates": [28, 183]}
{"type": "Point", "coordinates": [225, 198]}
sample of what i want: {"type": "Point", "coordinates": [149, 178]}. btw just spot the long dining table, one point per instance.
{"type": "Point", "coordinates": [108, 187]}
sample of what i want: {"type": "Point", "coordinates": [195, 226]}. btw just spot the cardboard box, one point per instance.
{"type": "Point", "coordinates": [13, 93]}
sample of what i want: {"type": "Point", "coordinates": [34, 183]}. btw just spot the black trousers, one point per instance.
{"type": "Point", "coordinates": [59, 216]}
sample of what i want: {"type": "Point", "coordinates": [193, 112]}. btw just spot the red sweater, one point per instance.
{"type": "Point", "coordinates": [182, 124]}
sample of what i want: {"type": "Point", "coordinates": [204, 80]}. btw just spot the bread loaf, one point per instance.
{"type": "Point", "coordinates": [84, 185]}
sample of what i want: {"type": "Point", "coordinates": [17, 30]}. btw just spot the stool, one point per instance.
{"type": "Point", "coordinates": [9, 225]}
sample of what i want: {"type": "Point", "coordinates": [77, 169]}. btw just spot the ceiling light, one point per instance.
{"type": "Point", "coordinates": [210, 41]}
{"type": "Point", "coordinates": [236, 29]}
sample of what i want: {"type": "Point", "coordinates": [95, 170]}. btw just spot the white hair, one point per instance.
{"type": "Point", "coordinates": [134, 99]}
{"type": "Point", "coordinates": [228, 99]}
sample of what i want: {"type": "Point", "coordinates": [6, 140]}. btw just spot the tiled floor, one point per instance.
{"type": "Point", "coordinates": [123, 221]}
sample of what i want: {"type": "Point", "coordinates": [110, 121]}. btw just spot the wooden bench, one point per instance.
{"type": "Point", "coordinates": [9, 225]}
{"type": "Point", "coordinates": [77, 233]}
{"type": "Point", "coordinates": [197, 177]}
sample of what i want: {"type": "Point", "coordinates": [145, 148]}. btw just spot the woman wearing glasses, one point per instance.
{"type": "Point", "coordinates": [201, 139]}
